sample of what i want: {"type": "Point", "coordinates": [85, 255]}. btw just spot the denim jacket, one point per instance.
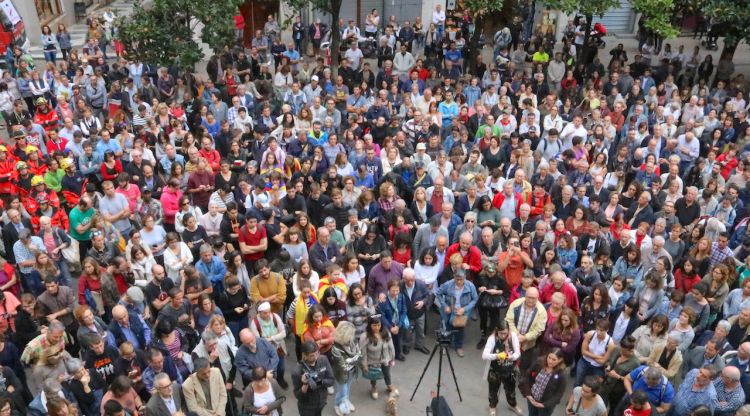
{"type": "Point", "coordinates": [445, 297]}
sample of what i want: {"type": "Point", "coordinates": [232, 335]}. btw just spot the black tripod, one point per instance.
{"type": "Point", "coordinates": [443, 344]}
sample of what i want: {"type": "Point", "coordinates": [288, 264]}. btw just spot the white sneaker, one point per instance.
{"type": "Point", "coordinates": [516, 410]}
{"type": "Point", "coordinates": [338, 411]}
{"type": "Point", "coordinates": [331, 390]}
{"type": "Point", "coordinates": [350, 405]}
{"type": "Point", "coordinates": [374, 393]}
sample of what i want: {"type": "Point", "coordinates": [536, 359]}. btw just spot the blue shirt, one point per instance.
{"type": "Point", "coordinates": [102, 147]}
{"type": "Point", "coordinates": [452, 55]}
{"type": "Point", "coordinates": [688, 399]}
{"type": "Point", "coordinates": [658, 394]}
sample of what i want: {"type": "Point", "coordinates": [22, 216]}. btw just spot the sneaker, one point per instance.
{"type": "Point", "coordinates": [331, 390]}
{"type": "Point", "coordinates": [374, 393]}
{"type": "Point", "coordinates": [481, 343]}
{"type": "Point", "coordinates": [351, 406]}
{"type": "Point", "coordinates": [516, 410]}
{"type": "Point", "coordinates": [338, 411]}
{"type": "Point", "coordinates": [460, 352]}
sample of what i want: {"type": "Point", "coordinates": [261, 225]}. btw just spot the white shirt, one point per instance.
{"type": "Point", "coordinates": [354, 56]}
{"type": "Point", "coordinates": [438, 17]}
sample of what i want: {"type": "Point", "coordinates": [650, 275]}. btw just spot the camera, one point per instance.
{"type": "Point", "coordinates": [313, 376]}
{"type": "Point", "coordinates": [444, 336]}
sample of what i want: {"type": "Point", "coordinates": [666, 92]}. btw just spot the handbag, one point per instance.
{"type": "Point", "coordinates": [492, 301]}
{"type": "Point", "coordinates": [373, 373]}
{"type": "Point", "coordinates": [71, 253]}
{"type": "Point", "coordinates": [95, 301]}
{"type": "Point", "coordinates": [459, 321]}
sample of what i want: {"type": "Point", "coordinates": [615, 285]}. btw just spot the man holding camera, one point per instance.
{"type": "Point", "coordinates": [311, 381]}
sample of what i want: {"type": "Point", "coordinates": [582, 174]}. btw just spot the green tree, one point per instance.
{"type": "Point", "coordinates": [479, 11]}
{"type": "Point", "coordinates": [163, 33]}
{"type": "Point", "coordinates": [331, 7]}
{"type": "Point", "coordinates": [657, 13]}
{"type": "Point", "coordinates": [733, 20]}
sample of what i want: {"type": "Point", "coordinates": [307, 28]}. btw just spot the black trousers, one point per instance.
{"type": "Point", "coordinates": [508, 383]}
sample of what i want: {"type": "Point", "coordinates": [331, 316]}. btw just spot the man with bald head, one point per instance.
{"type": "Point", "coordinates": [129, 326]}
{"type": "Point", "coordinates": [527, 317]}
{"type": "Point", "coordinates": [254, 352]}
{"type": "Point", "coordinates": [156, 290]}
{"type": "Point", "coordinates": [472, 256]}
{"type": "Point", "coordinates": [742, 362]}
{"type": "Point", "coordinates": [729, 393]}
{"type": "Point", "coordinates": [418, 301]}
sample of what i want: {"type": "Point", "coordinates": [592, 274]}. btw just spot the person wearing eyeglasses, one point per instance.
{"type": "Point", "coordinates": [168, 399]}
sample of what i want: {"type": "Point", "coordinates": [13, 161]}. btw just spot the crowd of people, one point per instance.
{"type": "Point", "coordinates": [590, 220]}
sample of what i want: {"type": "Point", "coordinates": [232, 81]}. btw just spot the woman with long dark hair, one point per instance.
{"type": "Point", "coordinates": [378, 355]}
{"type": "Point", "coordinates": [545, 383]}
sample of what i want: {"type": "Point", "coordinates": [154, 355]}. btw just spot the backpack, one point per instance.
{"type": "Point", "coordinates": [663, 383]}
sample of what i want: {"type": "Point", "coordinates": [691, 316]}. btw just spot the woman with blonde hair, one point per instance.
{"type": "Point", "coordinates": [217, 325]}
{"type": "Point", "coordinates": [345, 357]}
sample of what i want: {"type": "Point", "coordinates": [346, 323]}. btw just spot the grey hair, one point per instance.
{"type": "Point", "coordinates": [652, 372]}
{"type": "Point", "coordinates": [51, 386]}
{"type": "Point", "coordinates": [208, 336]}
{"type": "Point", "coordinates": [55, 326]}
{"type": "Point", "coordinates": [205, 248]}
{"type": "Point", "coordinates": [658, 239]}
{"type": "Point", "coordinates": [724, 324]}
{"type": "Point", "coordinates": [200, 363]}
{"type": "Point", "coordinates": [329, 220]}
{"type": "Point", "coordinates": [471, 215]}
{"type": "Point", "coordinates": [674, 335]}
{"type": "Point", "coordinates": [161, 376]}
{"type": "Point", "coordinates": [73, 365]}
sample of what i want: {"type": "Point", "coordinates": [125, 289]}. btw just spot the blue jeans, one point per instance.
{"type": "Point", "coordinates": [440, 31]}
{"type": "Point", "coordinates": [62, 265]}
{"type": "Point", "coordinates": [458, 333]}
{"type": "Point", "coordinates": [342, 395]}
{"type": "Point", "coordinates": [584, 369]}
{"type": "Point", "coordinates": [280, 368]}
{"type": "Point", "coordinates": [51, 55]}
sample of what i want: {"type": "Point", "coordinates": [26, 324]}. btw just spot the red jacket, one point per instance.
{"type": "Point", "coordinates": [499, 199]}
{"type": "Point", "coordinates": [52, 146]}
{"type": "Point", "coordinates": [7, 169]}
{"type": "Point", "coordinates": [108, 175]}
{"type": "Point", "coordinates": [212, 157]}
{"type": "Point", "coordinates": [537, 204]}
{"type": "Point", "coordinates": [48, 120]}
{"type": "Point", "coordinates": [473, 259]}
{"type": "Point", "coordinates": [58, 219]}
{"type": "Point", "coordinates": [571, 295]}
{"type": "Point", "coordinates": [170, 203]}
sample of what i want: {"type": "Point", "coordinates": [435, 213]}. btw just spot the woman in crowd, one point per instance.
{"type": "Point", "coordinates": [563, 334]}
{"type": "Point", "coordinates": [263, 395]}
{"type": "Point", "coordinates": [647, 336]}
{"type": "Point", "coordinates": [378, 355]}
{"type": "Point", "coordinates": [345, 358]}
{"type": "Point", "coordinates": [456, 300]}
{"type": "Point", "coordinates": [545, 383]}
{"type": "Point", "coordinates": [500, 354]}
{"type": "Point", "coordinates": [493, 296]}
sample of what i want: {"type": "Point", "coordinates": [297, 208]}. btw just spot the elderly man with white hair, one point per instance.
{"type": "Point", "coordinates": [649, 255]}
{"type": "Point", "coordinates": [419, 300]}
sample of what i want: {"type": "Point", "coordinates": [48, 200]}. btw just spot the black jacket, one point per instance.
{"type": "Point", "coordinates": [419, 293]}
{"type": "Point", "coordinates": [314, 399]}
{"type": "Point", "coordinates": [10, 236]}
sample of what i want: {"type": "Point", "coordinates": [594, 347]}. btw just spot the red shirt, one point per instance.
{"type": "Point", "coordinates": [252, 239]}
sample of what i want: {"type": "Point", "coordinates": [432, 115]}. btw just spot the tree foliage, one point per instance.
{"type": "Point", "coordinates": [658, 13]}
{"type": "Point", "coordinates": [732, 18]}
{"type": "Point", "coordinates": [331, 7]}
{"type": "Point", "coordinates": [479, 10]}
{"type": "Point", "coordinates": [163, 33]}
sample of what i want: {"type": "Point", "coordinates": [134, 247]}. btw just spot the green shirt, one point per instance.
{"type": "Point", "coordinates": [53, 180]}
{"type": "Point", "coordinates": [77, 218]}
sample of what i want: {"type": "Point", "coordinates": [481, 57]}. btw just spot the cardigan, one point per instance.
{"type": "Point", "coordinates": [248, 399]}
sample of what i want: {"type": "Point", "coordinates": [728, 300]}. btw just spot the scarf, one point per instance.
{"type": "Point", "coordinates": [300, 313]}
{"type": "Point", "coordinates": [339, 286]}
